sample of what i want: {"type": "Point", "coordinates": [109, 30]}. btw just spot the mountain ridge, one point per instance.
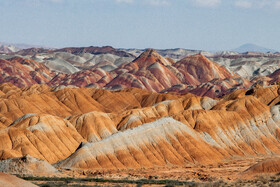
{"type": "Point", "coordinates": [249, 47]}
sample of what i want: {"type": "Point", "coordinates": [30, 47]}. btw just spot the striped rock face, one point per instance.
{"type": "Point", "coordinates": [42, 136]}
{"type": "Point", "coordinates": [23, 72]}
{"type": "Point", "coordinates": [102, 108]}
{"type": "Point", "coordinates": [159, 143]}
{"type": "Point", "coordinates": [94, 128]}
{"type": "Point", "coordinates": [114, 70]}
{"type": "Point", "coordinates": [174, 70]}
{"type": "Point", "coordinates": [198, 69]}
{"type": "Point", "coordinates": [233, 127]}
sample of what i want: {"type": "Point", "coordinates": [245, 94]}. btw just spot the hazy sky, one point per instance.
{"type": "Point", "coordinates": [191, 24]}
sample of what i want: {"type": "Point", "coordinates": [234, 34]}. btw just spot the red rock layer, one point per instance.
{"type": "Point", "coordinates": [149, 71]}
{"type": "Point", "coordinates": [23, 72]}
{"type": "Point", "coordinates": [198, 69]}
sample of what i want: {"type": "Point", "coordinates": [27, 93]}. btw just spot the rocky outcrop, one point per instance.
{"type": "Point", "coordinates": [27, 165]}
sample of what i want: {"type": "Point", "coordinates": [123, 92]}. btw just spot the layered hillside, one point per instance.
{"type": "Point", "coordinates": [24, 72]}
{"type": "Point", "coordinates": [198, 69]}
{"type": "Point", "coordinates": [100, 108]}
{"type": "Point", "coordinates": [90, 128]}
{"type": "Point", "coordinates": [113, 69]}
{"type": "Point", "coordinates": [243, 126]}
{"type": "Point", "coordinates": [42, 136]}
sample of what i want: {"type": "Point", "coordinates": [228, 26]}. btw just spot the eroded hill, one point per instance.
{"type": "Point", "coordinates": [90, 128]}
{"type": "Point", "coordinates": [113, 69]}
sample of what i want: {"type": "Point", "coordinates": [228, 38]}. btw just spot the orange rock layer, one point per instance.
{"type": "Point", "coordinates": [94, 128]}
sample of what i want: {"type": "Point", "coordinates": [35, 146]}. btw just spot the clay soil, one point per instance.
{"type": "Point", "coordinates": [227, 173]}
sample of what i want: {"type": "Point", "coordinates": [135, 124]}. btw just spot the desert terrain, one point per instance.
{"type": "Point", "coordinates": [106, 116]}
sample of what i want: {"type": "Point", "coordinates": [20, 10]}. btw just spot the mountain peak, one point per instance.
{"type": "Point", "coordinates": [149, 57]}
{"type": "Point", "coordinates": [249, 47]}
{"type": "Point", "coordinates": [198, 69]}
{"type": "Point", "coordinates": [150, 52]}
{"type": "Point", "coordinates": [197, 58]}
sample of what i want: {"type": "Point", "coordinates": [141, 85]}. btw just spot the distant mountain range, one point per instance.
{"type": "Point", "coordinates": [173, 53]}
{"type": "Point", "coordinates": [253, 48]}
{"type": "Point", "coordinates": [14, 47]}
